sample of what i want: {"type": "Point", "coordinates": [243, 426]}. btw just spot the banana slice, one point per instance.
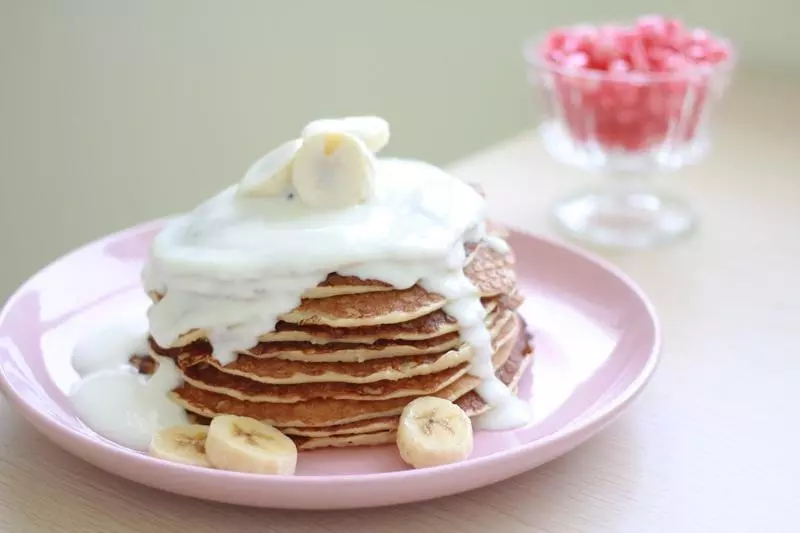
{"type": "Point", "coordinates": [184, 444]}
{"type": "Point", "coordinates": [243, 444]}
{"type": "Point", "coordinates": [433, 431]}
{"type": "Point", "coordinates": [333, 170]}
{"type": "Point", "coordinates": [374, 131]}
{"type": "Point", "coordinates": [272, 174]}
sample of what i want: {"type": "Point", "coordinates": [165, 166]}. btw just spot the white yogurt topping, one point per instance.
{"type": "Point", "coordinates": [237, 263]}
{"type": "Point", "coordinates": [112, 398]}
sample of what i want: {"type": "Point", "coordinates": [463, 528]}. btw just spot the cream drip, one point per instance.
{"type": "Point", "coordinates": [112, 397]}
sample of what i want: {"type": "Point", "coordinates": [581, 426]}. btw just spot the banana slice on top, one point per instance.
{"type": "Point", "coordinates": [333, 170]}
{"type": "Point", "coordinates": [184, 444]}
{"type": "Point", "coordinates": [271, 175]}
{"type": "Point", "coordinates": [244, 444]}
{"type": "Point", "coordinates": [433, 431]}
{"type": "Point", "coordinates": [373, 131]}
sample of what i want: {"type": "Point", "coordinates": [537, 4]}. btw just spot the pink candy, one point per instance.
{"type": "Point", "coordinates": [627, 87]}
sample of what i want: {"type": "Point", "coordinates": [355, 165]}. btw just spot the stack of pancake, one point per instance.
{"type": "Point", "coordinates": [338, 369]}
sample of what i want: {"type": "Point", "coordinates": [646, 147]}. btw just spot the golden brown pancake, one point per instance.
{"type": "Point", "coordinates": [278, 371]}
{"type": "Point", "coordinates": [254, 391]}
{"type": "Point", "coordinates": [370, 309]}
{"type": "Point", "coordinates": [307, 359]}
{"type": "Point", "coordinates": [211, 378]}
{"type": "Point", "coordinates": [320, 412]}
{"type": "Point", "coordinates": [425, 327]}
{"type": "Point", "coordinates": [382, 430]}
{"type": "Point", "coordinates": [377, 431]}
{"type": "Point", "coordinates": [490, 271]}
{"type": "Point", "coordinates": [319, 353]}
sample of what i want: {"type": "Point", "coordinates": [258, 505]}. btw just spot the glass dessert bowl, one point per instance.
{"type": "Point", "coordinates": [628, 102]}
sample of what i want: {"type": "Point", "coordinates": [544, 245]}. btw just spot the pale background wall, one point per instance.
{"type": "Point", "coordinates": [113, 112]}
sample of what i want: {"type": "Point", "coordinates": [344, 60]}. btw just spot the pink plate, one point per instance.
{"type": "Point", "coordinates": [597, 343]}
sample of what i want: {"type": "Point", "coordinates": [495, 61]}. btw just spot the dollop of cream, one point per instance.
{"type": "Point", "coordinates": [112, 397]}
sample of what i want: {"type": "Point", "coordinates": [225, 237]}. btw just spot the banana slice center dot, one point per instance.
{"type": "Point", "coordinates": [253, 438]}
{"type": "Point", "coordinates": [431, 423]}
{"type": "Point", "coordinates": [332, 142]}
{"type": "Point", "coordinates": [196, 442]}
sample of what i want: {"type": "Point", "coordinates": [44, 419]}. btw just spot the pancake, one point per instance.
{"type": "Point", "coordinates": [281, 372]}
{"type": "Point", "coordinates": [375, 425]}
{"type": "Point", "coordinates": [307, 358]}
{"type": "Point", "coordinates": [351, 310]}
{"type": "Point", "coordinates": [510, 374]}
{"type": "Point", "coordinates": [345, 441]}
{"type": "Point", "coordinates": [490, 272]}
{"type": "Point", "coordinates": [319, 353]}
{"type": "Point", "coordinates": [383, 430]}
{"type": "Point", "coordinates": [370, 309]}
{"type": "Point", "coordinates": [425, 327]}
{"type": "Point", "coordinates": [253, 391]}
{"type": "Point", "coordinates": [212, 379]}
{"type": "Point", "coordinates": [338, 285]}
{"type": "Point", "coordinates": [320, 412]}
{"type": "Point", "coordinates": [278, 371]}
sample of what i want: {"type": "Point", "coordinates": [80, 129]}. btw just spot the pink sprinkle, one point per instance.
{"type": "Point", "coordinates": [675, 63]}
{"type": "Point", "coordinates": [619, 65]}
{"type": "Point", "coordinates": [658, 56]}
{"type": "Point", "coordinates": [674, 29]}
{"type": "Point", "coordinates": [718, 53]}
{"type": "Point", "coordinates": [696, 52]}
{"type": "Point", "coordinates": [700, 35]}
{"type": "Point", "coordinates": [557, 56]}
{"type": "Point", "coordinates": [571, 44]}
{"type": "Point", "coordinates": [652, 27]}
{"type": "Point", "coordinates": [555, 39]}
{"type": "Point", "coordinates": [639, 57]}
{"type": "Point", "coordinates": [577, 60]}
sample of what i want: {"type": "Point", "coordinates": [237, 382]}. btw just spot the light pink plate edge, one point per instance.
{"type": "Point", "coordinates": [348, 491]}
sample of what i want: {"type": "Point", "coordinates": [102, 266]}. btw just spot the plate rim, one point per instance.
{"type": "Point", "coordinates": [590, 423]}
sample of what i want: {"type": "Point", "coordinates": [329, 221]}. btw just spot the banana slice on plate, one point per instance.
{"type": "Point", "coordinates": [272, 174]}
{"type": "Point", "coordinates": [333, 170]}
{"type": "Point", "coordinates": [244, 444]}
{"type": "Point", "coordinates": [373, 131]}
{"type": "Point", "coordinates": [181, 444]}
{"type": "Point", "coordinates": [432, 432]}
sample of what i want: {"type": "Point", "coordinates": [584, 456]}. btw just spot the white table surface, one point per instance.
{"type": "Point", "coordinates": [713, 445]}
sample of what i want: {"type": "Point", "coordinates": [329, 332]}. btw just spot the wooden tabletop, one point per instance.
{"type": "Point", "coordinates": [713, 444]}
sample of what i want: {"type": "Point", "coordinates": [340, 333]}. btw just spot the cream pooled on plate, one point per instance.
{"type": "Point", "coordinates": [319, 204]}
